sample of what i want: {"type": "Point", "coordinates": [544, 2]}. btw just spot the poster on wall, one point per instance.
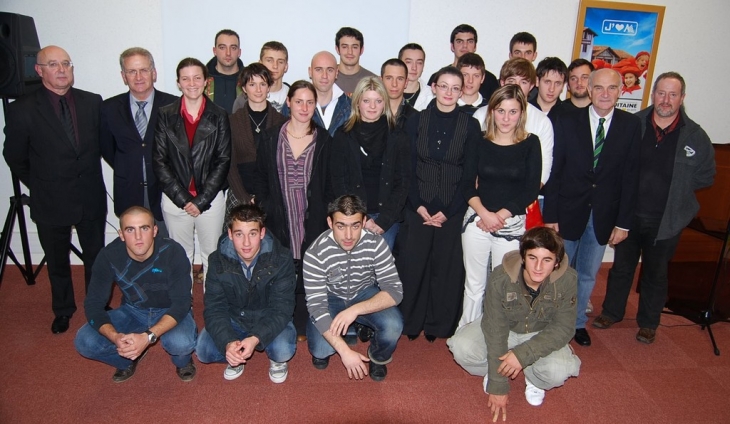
{"type": "Point", "coordinates": [624, 37]}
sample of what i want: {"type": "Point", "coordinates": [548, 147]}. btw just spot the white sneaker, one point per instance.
{"type": "Point", "coordinates": [534, 395]}
{"type": "Point", "coordinates": [232, 373]}
{"type": "Point", "coordinates": [484, 382]}
{"type": "Point", "coordinates": [278, 371]}
{"type": "Point", "coordinates": [589, 308]}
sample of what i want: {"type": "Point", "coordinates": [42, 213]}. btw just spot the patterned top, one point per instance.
{"type": "Point", "coordinates": [294, 175]}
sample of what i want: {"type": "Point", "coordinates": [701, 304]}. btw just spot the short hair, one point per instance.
{"type": "Point", "coordinates": [524, 38]}
{"type": "Point", "coordinates": [348, 205]}
{"type": "Point", "coordinates": [226, 32]}
{"type": "Point", "coordinates": [551, 64]}
{"type": "Point", "coordinates": [543, 237]}
{"type": "Point", "coordinates": [519, 67]}
{"type": "Point", "coordinates": [254, 69]}
{"type": "Point", "coordinates": [245, 213]}
{"type": "Point", "coordinates": [349, 32]}
{"type": "Point", "coordinates": [448, 70]}
{"type": "Point", "coordinates": [471, 60]}
{"type": "Point", "coordinates": [368, 84]}
{"type": "Point", "coordinates": [670, 74]}
{"type": "Point", "coordinates": [463, 28]}
{"type": "Point", "coordinates": [507, 92]}
{"type": "Point", "coordinates": [306, 85]}
{"type": "Point", "coordinates": [136, 51]}
{"type": "Point", "coordinates": [393, 62]}
{"type": "Point", "coordinates": [136, 210]}
{"type": "Point", "coordinates": [577, 63]}
{"type": "Point", "coordinates": [411, 46]}
{"type": "Point", "coordinates": [275, 46]}
{"type": "Point", "coordinates": [191, 61]}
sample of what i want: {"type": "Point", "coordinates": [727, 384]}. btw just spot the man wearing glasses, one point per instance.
{"type": "Point", "coordinates": [128, 132]}
{"type": "Point", "coordinates": [52, 146]}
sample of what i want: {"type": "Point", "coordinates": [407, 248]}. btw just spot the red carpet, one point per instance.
{"type": "Point", "coordinates": [678, 379]}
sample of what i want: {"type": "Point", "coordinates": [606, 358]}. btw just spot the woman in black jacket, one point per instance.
{"type": "Point", "coordinates": [371, 159]}
{"type": "Point", "coordinates": [295, 205]}
{"type": "Point", "coordinates": [191, 157]}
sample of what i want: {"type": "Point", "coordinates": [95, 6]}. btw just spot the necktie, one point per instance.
{"type": "Point", "coordinates": [67, 121]}
{"type": "Point", "coordinates": [599, 142]}
{"type": "Point", "coordinates": [140, 119]}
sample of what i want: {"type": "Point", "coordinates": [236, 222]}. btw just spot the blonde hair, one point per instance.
{"type": "Point", "coordinates": [507, 92]}
{"type": "Point", "coordinates": [369, 84]}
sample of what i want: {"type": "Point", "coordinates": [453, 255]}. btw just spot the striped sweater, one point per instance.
{"type": "Point", "coordinates": [330, 270]}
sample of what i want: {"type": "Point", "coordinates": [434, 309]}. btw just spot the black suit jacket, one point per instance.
{"type": "Point", "coordinates": [65, 180]}
{"type": "Point", "coordinates": [575, 188]}
{"type": "Point", "coordinates": [123, 149]}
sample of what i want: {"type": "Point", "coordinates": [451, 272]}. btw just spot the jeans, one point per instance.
{"type": "Point", "coordinates": [387, 325]}
{"type": "Point", "coordinates": [281, 349]}
{"type": "Point", "coordinates": [655, 256]}
{"type": "Point", "coordinates": [179, 342]}
{"type": "Point", "coordinates": [389, 235]}
{"type": "Point", "coordinates": [585, 255]}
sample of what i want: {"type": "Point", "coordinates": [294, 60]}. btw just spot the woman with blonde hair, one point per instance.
{"type": "Point", "coordinates": [370, 158]}
{"type": "Point", "coordinates": [506, 166]}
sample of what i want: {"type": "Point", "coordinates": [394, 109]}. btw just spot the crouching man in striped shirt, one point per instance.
{"type": "Point", "coordinates": [350, 276]}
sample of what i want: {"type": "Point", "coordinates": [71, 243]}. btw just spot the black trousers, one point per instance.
{"type": "Point", "coordinates": [655, 255]}
{"type": "Point", "coordinates": [431, 267]}
{"type": "Point", "coordinates": [56, 243]}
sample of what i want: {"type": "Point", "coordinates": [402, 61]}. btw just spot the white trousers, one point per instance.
{"type": "Point", "coordinates": [182, 227]}
{"type": "Point", "coordinates": [478, 245]}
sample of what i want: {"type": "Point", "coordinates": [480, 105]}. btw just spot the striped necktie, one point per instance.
{"type": "Point", "coordinates": [600, 135]}
{"type": "Point", "coordinates": [140, 118]}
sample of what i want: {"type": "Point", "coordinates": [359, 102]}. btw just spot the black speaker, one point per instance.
{"type": "Point", "coordinates": [18, 49]}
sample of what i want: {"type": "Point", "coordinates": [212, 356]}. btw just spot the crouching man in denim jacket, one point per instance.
{"type": "Point", "coordinates": [529, 319]}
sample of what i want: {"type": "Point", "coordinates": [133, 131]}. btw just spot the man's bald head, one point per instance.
{"type": "Point", "coordinates": [54, 66]}
{"type": "Point", "coordinates": [323, 71]}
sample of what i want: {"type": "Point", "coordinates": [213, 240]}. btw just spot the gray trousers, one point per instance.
{"type": "Point", "coordinates": [470, 352]}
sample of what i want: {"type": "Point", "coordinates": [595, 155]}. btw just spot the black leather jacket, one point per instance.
{"type": "Point", "coordinates": [207, 162]}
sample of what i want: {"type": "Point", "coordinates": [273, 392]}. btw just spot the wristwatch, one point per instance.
{"type": "Point", "coordinates": [152, 337]}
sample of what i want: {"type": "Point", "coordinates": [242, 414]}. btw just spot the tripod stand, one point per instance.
{"type": "Point", "coordinates": [706, 316]}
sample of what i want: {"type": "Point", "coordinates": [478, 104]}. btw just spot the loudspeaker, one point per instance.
{"type": "Point", "coordinates": [18, 49]}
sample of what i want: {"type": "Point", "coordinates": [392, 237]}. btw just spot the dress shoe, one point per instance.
{"type": "Point", "coordinates": [429, 337]}
{"type": "Point", "coordinates": [581, 337]}
{"type": "Point", "coordinates": [320, 364]}
{"type": "Point", "coordinates": [646, 335]}
{"type": "Point", "coordinates": [60, 324]}
{"type": "Point", "coordinates": [365, 333]}
{"type": "Point", "coordinates": [301, 338]}
{"type": "Point", "coordinates": [411, 337]}
{"type": "Point", "coordinates": [377, 371]}
{"type": "Point", "coordinates": [603, 322]}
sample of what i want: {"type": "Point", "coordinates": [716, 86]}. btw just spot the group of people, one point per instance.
{"type": "Point", "coordinates": [358, 206]}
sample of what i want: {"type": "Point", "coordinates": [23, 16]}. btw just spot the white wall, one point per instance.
{"type": "Point", "coordinates": [95, 32]}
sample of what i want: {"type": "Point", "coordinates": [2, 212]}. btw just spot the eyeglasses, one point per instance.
{"type": "Point", "coordinates": [55, 65]}
{"type": "Point", "coordinates": [445, 88]}
{"type": "Point", "coordinates": [133, 72]}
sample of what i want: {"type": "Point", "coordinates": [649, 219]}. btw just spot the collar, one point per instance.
{"type": "Point", "coordinates": [133, 100]}
{"type": "Point", "coordinates": [188, 117]}
{"type": "Point", "coordinates": [663, 132]}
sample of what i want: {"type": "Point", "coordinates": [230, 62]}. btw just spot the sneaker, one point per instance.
{"type": "Point", "coordinates": [320, 364]}
{"type": "Point", "coordinates": [121, 376]}
{"type": "Point", "coordinates": [589, 308]}
{"type": "Point", "coordinates": [187, 372]}
{"type": "Point", "coordinates": [534, 395]}
{"type": "Point", "coordinates": [377, 371]}
{"type": "Point", "coordinates": [646, 335]}
{"type": "Point", "coordinates": [232, 373]}
{"type": "Point", "coordinates": [278, 371]}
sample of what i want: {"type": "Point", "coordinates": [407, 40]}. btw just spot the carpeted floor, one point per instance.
{"type": "Point", "coordinates": [678, 379]}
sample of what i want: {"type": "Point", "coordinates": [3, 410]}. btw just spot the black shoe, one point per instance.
{"type": "Point", "coordinates": [365, 333]}
{"type": "Point", "coordinates": [581, 337]}
{"type": "Point", "coordinates": [124, 375]}
{"type": "Point", "coordinates": [60, 324]}
{"type": "Point", "coordinates": [429, 337]}
{"type": "Point", "coordinates": [320, 364]}
{"type": "Point", "coordinates": [187, 372]}
{"type": "Point", "coordinates": [377, 371]}
{"type": "Point", "coordinates": [412, 337]}
{"type": "Point", "coordinates": [350, 339]}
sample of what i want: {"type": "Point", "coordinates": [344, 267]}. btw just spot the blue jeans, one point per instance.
{"type": "Point", "coordinates": [585, 255]}
{"type": "Point", "coordinates": [387, 325]}
{"type": "Point", "coordinates": [179, 342]}
{"type": "Point", "coordinates": [389, 235]}
{"type": "Point", "coordinates": [281, 349]}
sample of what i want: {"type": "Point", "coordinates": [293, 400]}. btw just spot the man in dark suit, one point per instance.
{"type": "Point", "coordinates": [128, 132]}
{"type": "Point", "coordinates": [591, 194]}
{"type": "Point", "coordinates": [52, 146]}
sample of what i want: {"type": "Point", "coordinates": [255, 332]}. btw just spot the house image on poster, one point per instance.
{"type": "Point", "coordinates": [586, 44]}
